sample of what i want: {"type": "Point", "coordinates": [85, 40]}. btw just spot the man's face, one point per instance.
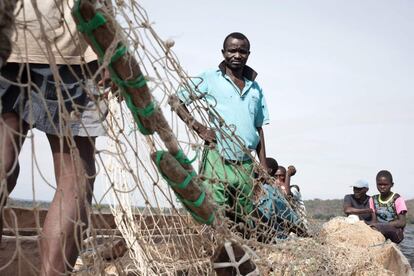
{"type": "Point", "coordinates": [360, 192]}
{"type": "Point", "coordinates": [384, 185]}
{"type": "Point", "coordinates": [280, 175]}
{"type": "Point", "coordinates": [235, 53]}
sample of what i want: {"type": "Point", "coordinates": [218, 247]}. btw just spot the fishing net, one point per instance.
{"type": "Point", "coordinates": [161, 217]}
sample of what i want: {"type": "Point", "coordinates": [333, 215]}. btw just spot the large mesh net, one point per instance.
{"type": "Point", "coordinates": [157, 214]}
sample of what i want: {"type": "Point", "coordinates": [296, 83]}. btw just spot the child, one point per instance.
{"type": "Point", "coordinates": [389, 209]}
{"type": "Point", "coordinates": [275, 210]}
{"type": "Point", "coordinates": [283, 177]}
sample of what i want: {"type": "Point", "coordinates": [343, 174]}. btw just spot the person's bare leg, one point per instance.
{"type": "Point", "coordinates": [67, 215]}
{"type": "Point", "coordinates": [12, 134]}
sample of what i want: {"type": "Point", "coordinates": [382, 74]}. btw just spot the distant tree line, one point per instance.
{"type": "Point", "coordinates": [317, 208]}
{"type": "Point", "coordinates": [326, 209]}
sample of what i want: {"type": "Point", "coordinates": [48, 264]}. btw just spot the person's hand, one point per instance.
{"type": "Point", "coordinates": [261, 176]}
{"type": "Point", "coordinates": [373, 225]}
{"type": "Point", "coordinates": [106, 79]}
{"type": "Point", "coordinates": [108, 85]}
{"type": "Point", "coordinates": [291, 171]}
{"type": "Point", "coordinates": [205, 133]}
{"type": "Point", "coordinates": [283, 188]}
{"type": "Point", "coordinates": [258, 191]}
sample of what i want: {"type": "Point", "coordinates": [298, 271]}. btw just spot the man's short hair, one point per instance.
{"type": "Point", "coordinates": [236, 35]}
{"type": "Point", "coordinates": [272, 165]}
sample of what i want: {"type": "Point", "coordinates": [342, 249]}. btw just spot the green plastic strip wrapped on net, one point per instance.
{"type": "Point", "coordinates": [192, 206]}
{"type": "Point", "coordinates": [87, 28]}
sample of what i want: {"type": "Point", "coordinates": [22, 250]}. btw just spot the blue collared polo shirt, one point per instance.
{"type": "Point", "coordinates": [242, 111]}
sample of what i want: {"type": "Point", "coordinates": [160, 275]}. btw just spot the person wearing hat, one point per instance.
{"type": "Point", "coordinates": [358, 202]}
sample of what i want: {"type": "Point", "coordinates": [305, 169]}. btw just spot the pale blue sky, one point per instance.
{"type": "Point", "coordinates": [337, 76]}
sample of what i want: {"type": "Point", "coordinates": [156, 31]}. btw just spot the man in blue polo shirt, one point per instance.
{"type": "Point", "coordinates": [237, 112]}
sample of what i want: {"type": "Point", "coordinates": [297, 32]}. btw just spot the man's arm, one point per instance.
{"type": "Point", "coordinates": [261, 149]}
{"type": "Point", "coordinates": [400, 222]}
{"type": "Point", "coordinates": [349, 210]}
{"type": "Point", "coordinates": [204, 132]}
{"type": "Point", "coordinates": [401, 209]}
{"type": "Point", "coordinates": [291, 171]}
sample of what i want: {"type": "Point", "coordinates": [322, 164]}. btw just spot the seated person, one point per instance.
{"type": "Point", "coordinates": [389, 208]}
{"type": "Point", "coordinates": [275, 210]}
{"type": "Point", "coordinates": [358, 202]}
{"type": "Point", "coordinates": [283, 177]}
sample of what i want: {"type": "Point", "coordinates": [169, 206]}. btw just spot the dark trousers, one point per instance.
{"type": "Point", "coordinates": [390, 232]}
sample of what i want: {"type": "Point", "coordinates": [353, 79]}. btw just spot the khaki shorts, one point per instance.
{"type": "Point", "coordinates": [40, 106]}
